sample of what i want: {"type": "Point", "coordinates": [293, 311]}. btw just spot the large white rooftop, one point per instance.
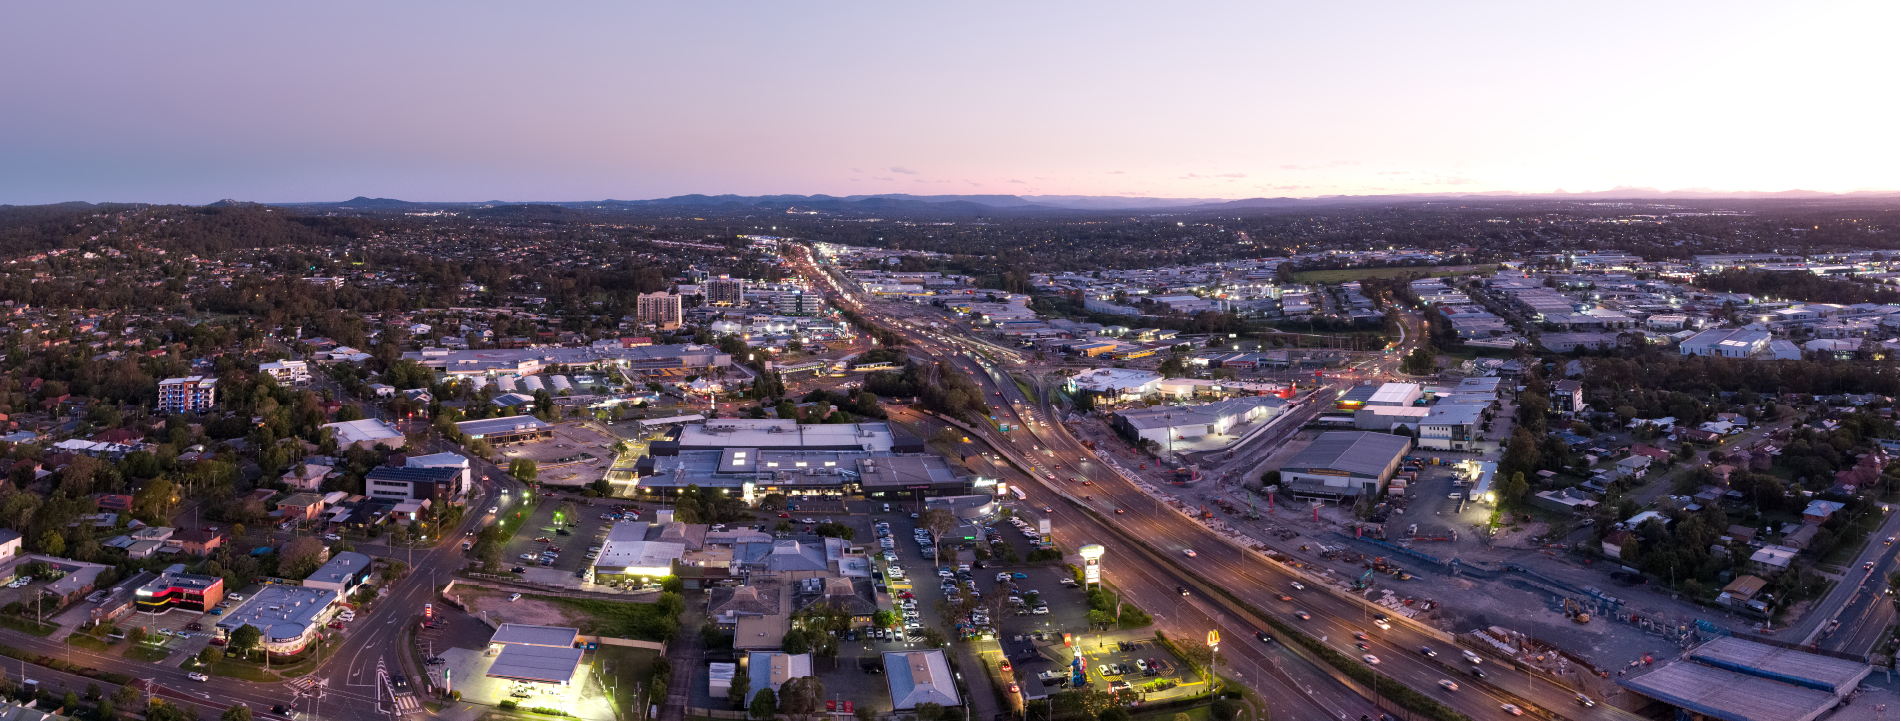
{"type": "Point", "coordinates": [771, 433]}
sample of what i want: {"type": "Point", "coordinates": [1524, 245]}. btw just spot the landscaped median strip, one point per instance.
{"type": "Point", "coordinates": [1405, 696]}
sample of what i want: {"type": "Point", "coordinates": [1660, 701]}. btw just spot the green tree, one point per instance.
{"type": "Point", "coordinates": [742, 685]}
{"type": "Point", "coordinates": [1513, 490]}
{"type": "Point", "coordinates": [524, 469]}
{"type": "Point", "coordinates": [801, 696]}
{"type": "Point", "coordinates": [160, 710]}
{"type": "Point", "coordinates": [52, 544]}
{"type": "Point", "coordinates": [795, 642]}
{"type": "Point", "coordinates": [765, 704]}
{"type": "Point", "coordinates": [245, 639]}
{"type": "Point", "coordinates": [237, 712]}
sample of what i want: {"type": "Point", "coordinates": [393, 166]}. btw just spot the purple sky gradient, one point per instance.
{"type": "Point", "coordinates": [284, 102]}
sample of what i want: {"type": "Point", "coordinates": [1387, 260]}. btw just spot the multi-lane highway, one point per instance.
{"type": "Point", "coordinates": [1867, 608]}
{"type": "Point", "coordinates": [1089, 505]}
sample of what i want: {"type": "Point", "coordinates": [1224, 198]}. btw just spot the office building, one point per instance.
{"type": "Point", "coordinates": [403, 484]}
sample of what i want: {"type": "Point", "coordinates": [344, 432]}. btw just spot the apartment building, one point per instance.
{"type": "Point", "coordinates": [725, 291]}
{"type": "Point", "coordinates": [193, 394]}
{"type": "Point", "coordinates": [660, 308]}
{"type": "Point", "coordinates": [288, 371]}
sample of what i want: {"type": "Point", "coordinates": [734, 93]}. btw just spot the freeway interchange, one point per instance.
{"type": "Point", "coordinates": [1152, 568]}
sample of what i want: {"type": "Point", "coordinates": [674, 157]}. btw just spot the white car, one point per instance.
{"type": "Point", "coordinates": [514, 597]}
{"type": "Point", "coordinates": [199, 677]}
{"type": "Point", "coordinates": [1189, 552]}
{"type": "Point", "coordinates": [236, 597]}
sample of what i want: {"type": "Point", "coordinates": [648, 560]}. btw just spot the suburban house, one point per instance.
{"type": "Point", "coordinates": [1633, 466]}
{"type": "Point", "coordinates": [198, 541]}
{"type": "Point", "coordinates": [1614, 543]}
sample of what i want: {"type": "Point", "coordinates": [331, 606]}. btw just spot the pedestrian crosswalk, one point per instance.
{"type": "Point", "coordinates": [406, 703]}
{"type": "Point", "coordinates": [304, 683]}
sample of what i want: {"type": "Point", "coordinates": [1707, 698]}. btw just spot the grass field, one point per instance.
{"type": "Point", "coordinates": [244, 671]}
{"type": "Point", "coordinates": [1194, 713]}
{"type": "Point", "coordinates": [625, 668]}
{"type": "Point", "coordinates": [28, 626]}
{"type": "Point", "coordinates": [87, 642]}
{"type": "Point", "coordinates": [147, 654]}
{"type": "Point", "coordinates": [1343, 275]}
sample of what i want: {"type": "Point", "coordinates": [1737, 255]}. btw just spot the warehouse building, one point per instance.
{"type": "Point", "coordinates": [1340, 465]}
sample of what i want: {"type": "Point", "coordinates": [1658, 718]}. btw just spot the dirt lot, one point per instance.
{"type": "Point", "coordinates": [526, 610]}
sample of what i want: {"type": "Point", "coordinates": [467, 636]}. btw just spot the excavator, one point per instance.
{"type": "Point", "coordinates": [1361, 584]}
{"type": "Point", "coordinates": [1575, 612]}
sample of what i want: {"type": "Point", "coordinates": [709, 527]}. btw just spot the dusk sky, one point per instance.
{"type": "Point", "coordinates": [282, 102]}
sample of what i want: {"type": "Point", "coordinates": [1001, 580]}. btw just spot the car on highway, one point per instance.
{"type": "Point", "coordinates": [1371, 660]}
{"type": "Point", "coordinates": [494, 509]}
{"type": "Point", "coordinates": [1189, 552]}
{"type": "Point", "coordinates": [1263, 637]}
{"type": "Point", "coordinates": [1513, 710]}
{"type": "Point", "coordinates": [1384, 626]}
{"type": "Point", "coordinates": [1297, 586]}
{"type": "Point", "coordinates": [1448, 684]}
{"type": "Point", "coordinates": [1304, 616]}
{"type": "Point", "coordinates": [1284, 597]}
{"type": "Point", "coordinates": [199, 677]}
{"type": "Point", "coordinates": [1183, 590]}
{"type": "Point", "coordinates": [1428, 652]}
{"type": "Point", "coordinates": [1583, 700]}
{"type": "Point", "coordinates": [1120, 512]}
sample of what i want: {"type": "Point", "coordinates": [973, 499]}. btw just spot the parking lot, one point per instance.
{"type": "Point", "coordinates": [581, 527]}
{"type": "Point", "coordinates": [577, 454]}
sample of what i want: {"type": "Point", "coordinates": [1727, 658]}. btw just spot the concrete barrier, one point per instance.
{"type": "Point", "coordinates": [611, 641]}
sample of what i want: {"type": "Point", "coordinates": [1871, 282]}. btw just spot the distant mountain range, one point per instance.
{"type": "Point", "coordinates": [1032, 203]}
{"type": "Point", "coordinates": [995, 204]}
